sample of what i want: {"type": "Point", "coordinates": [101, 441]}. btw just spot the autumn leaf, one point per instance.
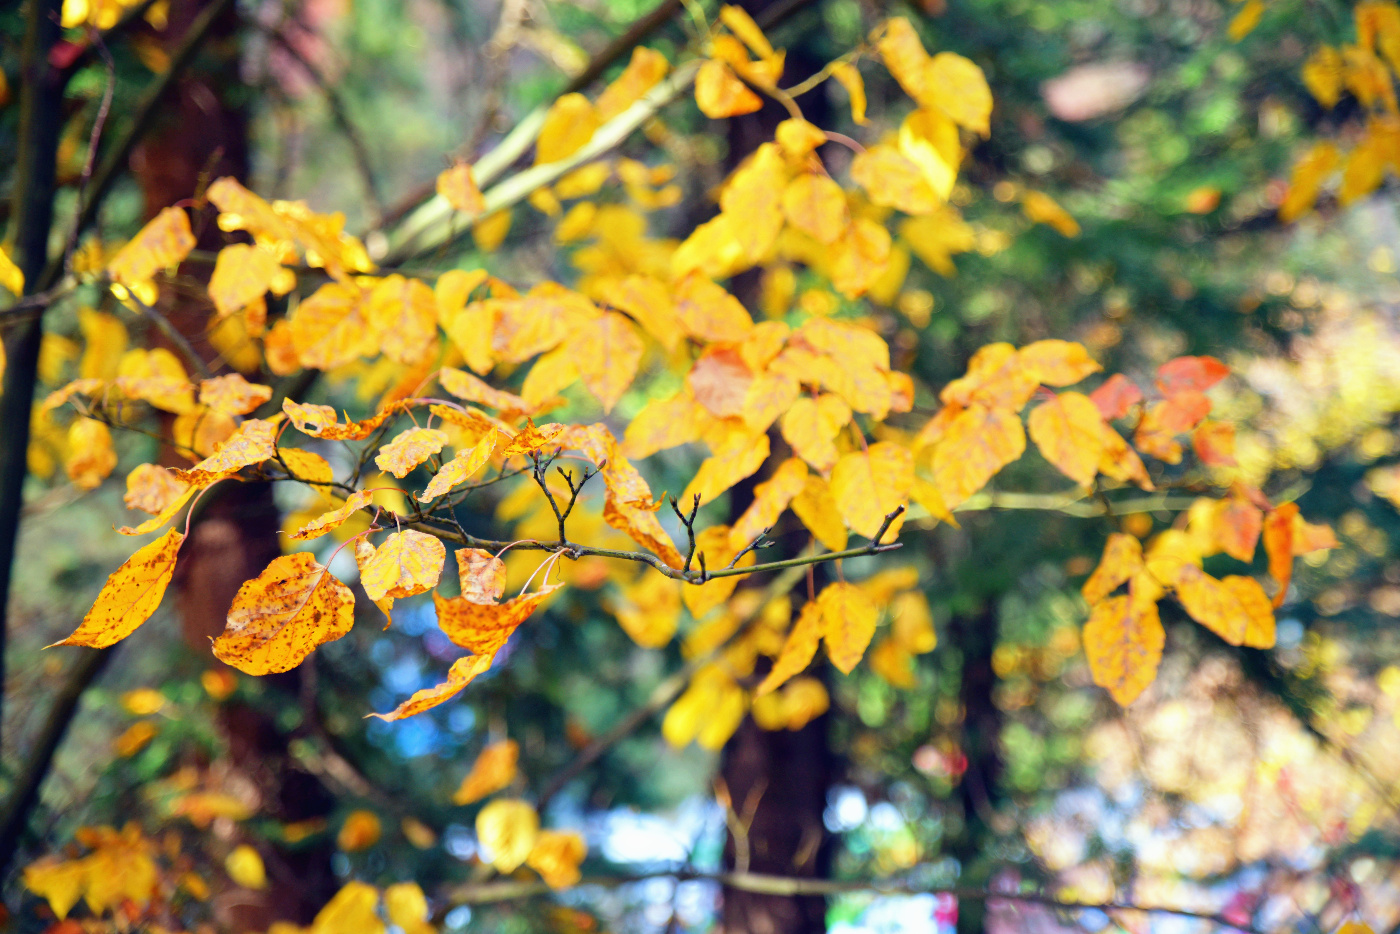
{"type": "Point", "coordinates": [407, 563]}
{"type": "Point", "coordinates": [1122, 558]}
{"type": "Point", "coordinates": [333, 518]}
{"type": "Point", "coordinates": [507, 829]}
{"type": "Point", "coordinates": [1190, 374]}
{"type": "Point", "coordinates": [708, 313]}
{"type": "Point", "coordinates": [254, 442]}
{"type": "Point", "coordinates": [568, 125]}
{"type": "Point", "coordinates": [494, 769]}
{"type": "Point", "coordinates": [816, 507]}
{"type": "Point", "coordinates": [1260, 628]}
{"type": "Point", "coordinates": [810, 426]}
{"type": "Point", "coordinates": [483, 628]}
{"type": "Point", "coordinates": [353, 910]}
{"type": "Point", "coordinates": [1123, 642]}
{"type": "Point", "coordinates": [402, 315]}
{"type": "Point", "coordinates": [456, 471]}
{"type": "Point", "coordinates": [719, 94]}
{"type": "Point", "coordinates": [245, 867]}
{"type": "Point", "coordinates": [738, 457]}
{"type": "Point", "coordinates": [457, 186]}
{"type": "Point", "coordinates": [409, 449]}
{"type": "Point", "coordinates": [1042, 209]}
{"type": "Point", "coordinates": [869, 485]}
{"type": "Point", "coordinates": [1056, 362]}
{"type": "Point", "coordinates": [1237, 528]}
{"type": "Point", "coordinates": [164, 242]}
{"type": "Point", "coordinates": [848, 623]}
{"type": "Point", "coordinates": [330, 329]}
{"type": "Point", "coordinates": [645, 70]}
{"type": "Point", "coordinates": [1212, 604]}
{"type": "Point", "coordinates": [770, 498]}
{"type": "Point", "coordinates": [1278, 542]}
{"type": "Point", "coordinates": [482, 575]}
{"type": "Point", "coordinates": [979, 442]}
{"type": "Point", "coordinates": [461, 673]}
{"type": "Point", "coordinates": [556, 856]}
{"type": "Point", "coordinates": [665, 423]}
{"type": "Point", "coordinates": [607, 351]}
{"type": "Point", "coordinates": [91, 458]}
{"type": "Point", "coordinates": [1116, 397]}
{"type": "Point", "coordinates": [713, 544]}
{"type": "Point", "coordinates": [131, 594]}
{"type": "Point", "coordinates": [650, 609]}
{"type": "Point", "coordinates": [849, 78]}
{"type": "Point", "coordinates": [464, 385]}
{"type": "Point", "coordinates": [281, 616]}
{"type": "Point", "coordinates": [1070, 433]}
{"type": "Point", "coordinates": [798, 650]}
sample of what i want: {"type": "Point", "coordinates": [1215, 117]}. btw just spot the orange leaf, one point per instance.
{"type": "Point", "coordinates": [1215, 443]}
{"type": "Point", "coordinates": [1190, 374]}
{"type": "Point", "coordinates": [165, 241]}
{"type": "Point", "coordinates": [408, 563]}
{"type": "Point", "coordinates": [720, 381]}
{"type": "Point", "coordinates": [848, 623]}
{"type": "Point", "coordinates": [556, 856]}
{"type": "Point", "coordinates": [1070, 433]}
{"type": "Point", "coordinates": [130, 596]}
{"type": "Point", "coordinates": [494, 769]}
{"type": "Point", "coordinates": [1116, 397]}
{"type": "Point", "coordinates": [458, 186]}
{"type": "Point", "coordinates": [461, 673]}
{"type": "Point", "coordinates": [254, 442]}
{"type": "Point", "coordinates": [1308, 537]}
{"type": "Point", "coordinates": [869, 485]}
{"type": "Point", "coordinates": [1123, 642]}
{"type": "Point", "coordinates": [282, 615]}
{"type": "Point", "coordinates": [1237, 528]}
{"type": "Point", "coordinates": [483, 628]}
{"type": "Point", "coordinates": [1260, 628]}
{"type": "Point", "coordinates": [1120, 461]}
{"type": "Point", "coordinates": [409, 449]}
{"type": "Point", "coordinates": [1278, 542]}
{"type": "Point", "coordinates": [1122, 558]}
{"type": "Point", "coordinates": [1212, 604]}
{"type": "Point", "coordinates": [334, 518]}
{"type": "Point", "coordinates": [708, 313]}
{"type": "Point", "coordinates": [979, 442]}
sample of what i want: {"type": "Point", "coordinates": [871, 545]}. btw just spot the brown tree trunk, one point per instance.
{"type": "Point", "coordinates": [201, 136]}
{"type": "Point", "coordinates": [979, 790]}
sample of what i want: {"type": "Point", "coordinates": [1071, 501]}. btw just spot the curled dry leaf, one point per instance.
{"type": "Point", "coordinates": [483, 628]}
{"type": "Point", "coordinates": [482, 575]}
{"type": "Point", "coordinates": [409, 449]}
{"type": "Point", "coordinates": [333, 519]}
{"type": "Point", "coordinates": [461, 673]}
{"type": "Point", "coordinates": [281, 616]}
{"type": "Point", "coordinates": [493, 770]}
{"type": "Point", "coordinates": [131, 594]}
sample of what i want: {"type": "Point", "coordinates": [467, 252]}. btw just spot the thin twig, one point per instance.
{"type": "Point", "coordinates": [95, 38]}
{"type": "Point", "coordinates": [173, 335]}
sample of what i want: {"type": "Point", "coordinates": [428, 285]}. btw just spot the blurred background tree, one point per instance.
{"type": "Point", "coordinates": [1257, 786]}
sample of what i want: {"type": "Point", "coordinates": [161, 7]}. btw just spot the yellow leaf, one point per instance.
{"type": "Point", "coordinates": [360, 831]}
{"type": "Point", "coordinates": [743, 26]}
{"type": "Point", "coordinates": [333, 519]}
{"type": "Point", "coordinates": [232, 394]}
{"type": "Point", "coordinates": [1245, 20]}
{"type": "Point", "coordinates": [568, 126]}
{"type": "Point", "coordinates": [12, 279]}
{"type": "Point", "coordinates": [556, 856]}
{"type": "Point", "coordinates": [650, 609]}
{"type": "Point", "coordinates": [709, 313]}
{"type": "Point", "coordinates": [105, 341]}
{"type": "Point", "coordinates": [894, 663]}
{"type": "Point", "coordinates": [770, 498]}
{"type": "Point", "coordinates": [403, 315]}
{"type": "Point", "coordinates": [1212, 604]}
{"type": "Point", "coordinates": [157, 377]}
{"type": "Point", "coordinates": [869, 485]}
{"type": "Point", "coordinates": [752, 200]}
{"type": "Point", "coordinates": [254, 442]}
{"type": "Point", "coordinates": [90, 455]}
{"type": "Point", "coordinates": [798, 650]}
{"type": "Point", "coordinates": [607, 351]}
{"type": "Point", "coordinates": [165, 241]}
{"type": "Point", "coordinates": [665, 423]}
{"type": "Point", "coordinates": [1260, 627]}
{"type": "Point", "coordinates": [946, 82]}
{"type": "Point", "coordinates": [816, 507]}
{"type": "Point", "coordinates": [810, 426]}
{"type": "Point", "coordinates": [1309, 174]}
{"type": "Point", "coordinates": [282, 615]}
{"type": "Point", "coordinates": [483, 628]}
{"type": "Point", "coordinates": [738, 457]}
{"type": "Point", "coordinates": [1070, 432]}
{"type": "Point", "coordinates": [911, 623]}
{"type": "Point", "coordinates": [408, 563]}
{"type": "Point", "coordinates": [407, 906]}
{"type": "Point", "coordinates": [507, 829]}
{"type": "Point", "coordinates": [719, 94]}
{"type": "Point", "coordinates": [351, 911]}
{"type": "Point", "coordinates": [131, 594]}
{"type": "Point", "coordinates": [329, 329]}
{"type": "Point", "coordinates": [461, 467]}
{"type": "Point", "coordinates": [1323, 75]}
{"type": "Point", "coordinates": [461, 673]}
{"type": "Point", "coordinates": [59, 882]}
{"type": "Point", "coordinates": [649, 303]}
{"type": "Point", "coordinates": [494, 769]}
{"type": "Point", "coordinates": [134, 739]}
{"type": "Point", "coordinates": [245, 867]}
{"type": "Point", "coordinates": [642, 73]}
{"type": "Point", "coordinates": [242, 275]}
{"type": "Point", "coordinates": [280, 226]}
{"type": "Point", "coordinates": [1042, 209]}
{"type": "Point", "coordinates": [457, 186]}
{"type": "Point", "coordinates": [848, 623]}
{"type": "Point", "coordinates": [143, 701]}
{"type": "Point", "coordinates": [797, 138]}
{"type": "Point", "coordinates": [490, 231]}
{"type": "Point", "coordinates": [482, 575]}
{"type": "Point", "coordinates": [409, 449]}
{"type": "Point", "coordinates": [816, 205]}
{"type": "Point", "coordinates": [849, 78]}
{"type": "Point", "coordinates": [1122, 558]}
{"type": "Point", "coordinates": [464, 385]}
{"type": "Point", "coordinates": [979, 442]}
{"type": "Point", "coordinates": [1123, 642]}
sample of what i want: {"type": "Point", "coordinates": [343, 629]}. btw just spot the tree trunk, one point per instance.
{"type": "Point", "coordinates": [201, 136]}
{"type": "Point", "coordinates": [979, 790]}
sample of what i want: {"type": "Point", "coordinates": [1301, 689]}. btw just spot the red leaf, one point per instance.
{"type": "Point", "coordinates": [1116, 396]}
{"type": "Point", "coordinates": [1278, 542]}
{"type": "Point", "coordinates": [1182, 411]}
{"type": "Point", "coordinates": [1190, 374]}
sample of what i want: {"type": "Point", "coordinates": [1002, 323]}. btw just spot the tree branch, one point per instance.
{"type": "Point", "coordinates": [482, 893]}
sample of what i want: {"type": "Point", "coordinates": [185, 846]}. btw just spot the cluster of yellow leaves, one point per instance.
{"type": "Point", "coordinates": [1124, 638]}
{"type": "Point", "coordinates": [360, 908]}
{"type": "Point", "coordinates": [121, 866]}
{"type": "Point", "coordinates": [1365, 69]}
{"type": "Point", "coordinates": [509, 832]}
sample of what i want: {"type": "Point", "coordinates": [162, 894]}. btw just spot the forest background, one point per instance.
{"type": "Point", "coordinates": [1155, 181]}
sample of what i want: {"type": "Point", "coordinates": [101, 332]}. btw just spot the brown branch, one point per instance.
{"type": "Point", "coordinates": [482, 893]}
